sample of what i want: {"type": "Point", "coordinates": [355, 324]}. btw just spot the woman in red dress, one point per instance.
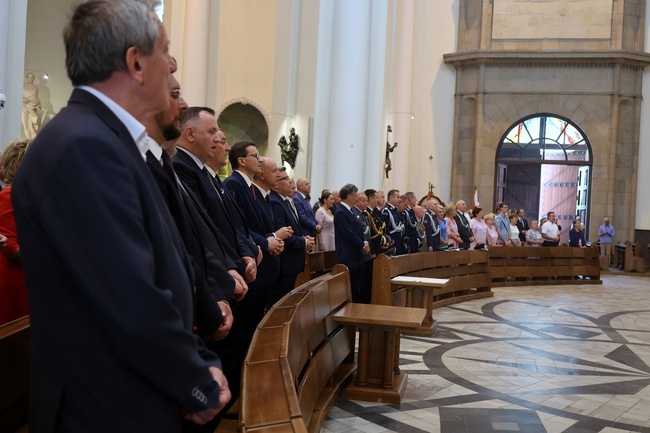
{"type": "Point", "coordinates": [13, 294]}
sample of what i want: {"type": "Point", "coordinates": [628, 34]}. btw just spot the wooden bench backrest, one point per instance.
{"type": "Point", "coordinates": [294, 353]}
{"type": "Point", "coordinates": [15, 362]}
{"type": "Point", "coordinates": [316, 264]}
{"type": "Point", "coordinates": [535, 262]}
{"type": "Point", "coordinates": [465, 270]}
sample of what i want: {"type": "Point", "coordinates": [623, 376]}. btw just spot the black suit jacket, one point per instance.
{"type": "Point", "coordinates": [109, 280]}
{"type": "Point", "coordinates": [522, 224]}
{"type": "Point", "coordinates": [292, 259]}
{"type": "Point", "coordinates": [464, 230]}
{"type": "Point", "coordinates": [220, 210]}
{"type": "Point", "coordinates": [259, 222]}
{"type": "Point", "coordinates": [208, 313]}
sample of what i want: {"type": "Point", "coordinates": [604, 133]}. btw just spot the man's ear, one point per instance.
{"type": "Point", "coordinates": [134, 64]}
{"type": "Point", "coordinates": [188, 133]}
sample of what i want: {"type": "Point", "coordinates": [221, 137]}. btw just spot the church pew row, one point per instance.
{"type": "Point", "coordinates": [528, 266]}
{"type": "Point", "coordinates": [15, 362]}
{"type": "Point", "coordinates": [316, 264]}
{"type": "Point", "coordinates": [300, 359]}
{"type": "Point", "coordinates": [467, 274]}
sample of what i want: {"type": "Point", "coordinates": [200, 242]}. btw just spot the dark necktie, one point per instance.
{"type": "Point", "coordinates": [253, 190]}
{"type": "Point", "coordinates": [214, 184]}
{"type": "Point", "coordinates": [169, 169]}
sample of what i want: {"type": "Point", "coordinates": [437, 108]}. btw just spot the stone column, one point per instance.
{"type": "Point", "coordinates": [348, 93]}
{"type": "Point", "coordinates": [13, 23]}
{"type": "Point", "coordinates": [401, 108]}
{"type": "Point", "coordinates": [196, 49]}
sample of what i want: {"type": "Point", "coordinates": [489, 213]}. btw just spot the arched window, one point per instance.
{"type": "Point", "coordinates": [543, 164]}
{"type": "Point", "coordinates": [544, 138]}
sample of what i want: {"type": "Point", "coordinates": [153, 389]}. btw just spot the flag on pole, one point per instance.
{"type": "Point", "coordinates": [475, 202]}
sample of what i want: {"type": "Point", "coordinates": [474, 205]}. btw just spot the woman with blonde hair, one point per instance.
{"type": "Point", "coordinates": [492, 236]}
{"type": "Point", "coordinates": [13, 293]}
{"type": "Point", "coordinates": [453, 237]}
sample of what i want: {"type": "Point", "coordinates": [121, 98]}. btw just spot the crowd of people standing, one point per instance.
{"type": "Point", "coordinates": [146, 273]}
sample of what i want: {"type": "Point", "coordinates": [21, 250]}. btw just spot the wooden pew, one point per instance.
{"type": "Point", "coordinates": [468, 273]}
{"type": "Point", "coordinates": [625, 253]}
{"type": "Point", "coordinates": [300, 359]}
{"type": "Point", "coordinates": [316, 264]}
{"type": "Point", "coordinates": [15, 362]}
{"type": "Point", "coordinates": [529, 266]}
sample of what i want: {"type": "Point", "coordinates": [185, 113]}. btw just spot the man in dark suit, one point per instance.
{"type": "Point", "coordinates": [393, 220]}
{"type": "Point", "coordinates": [292, 259]}
{"type": "Point", "coordinates": [522, 225]}
{"type": "Point", "coordinates": [199, 141]}
{"type": "Point", "coordinates": [305, 213]}
{"type": "Point", "coordinates": [350, 243]}
{"type": "Point", "coordinates": [410, 224]}
{"type": "Point", "coordinates": [110, 282]}
{"type": "Point", "coordinates": [214, 285]}
{"type": "Point", "coordinates": [464, 230]}
{"type": "Point", "coordinates": [199, 144]}
{"type": "Point", "coordinates": [365, 273]}
{"type": "Point", "coordinates": [247, 164]}
{"type": "Point", "coordinates": [431, 226]}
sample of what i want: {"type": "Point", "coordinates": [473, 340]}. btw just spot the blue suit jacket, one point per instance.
{"type": "Point", "coordinates": [259, 223]}
{"type": "Point", "coordinates": [307, 219]}
{"type": "Point", "coordinates": [293, 256]}
{"type": "Point", "coordinates": [109, 281]}
{"type": "Point", "coordinates": [348, 234]}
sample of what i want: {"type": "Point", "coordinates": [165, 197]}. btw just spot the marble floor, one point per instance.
{"type": "Point", "coordinates": [531, 359]}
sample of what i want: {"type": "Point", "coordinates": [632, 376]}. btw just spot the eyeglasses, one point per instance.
{"type": "Point", "coordinates": [256, 155]}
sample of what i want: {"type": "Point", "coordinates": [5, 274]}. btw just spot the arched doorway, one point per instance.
{"type": "Point", "coordinates": [243, 120]}
{"type": "Point", "coordinates": [543, 164]}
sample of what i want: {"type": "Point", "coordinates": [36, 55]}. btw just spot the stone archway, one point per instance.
{"type": "Point", "coordinates": [543, 164]}
{"type": "Point", "coordinates": [244, 120]}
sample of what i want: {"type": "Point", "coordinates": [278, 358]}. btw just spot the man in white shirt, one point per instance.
{"type": "Point", "coordinates": [550, 231]}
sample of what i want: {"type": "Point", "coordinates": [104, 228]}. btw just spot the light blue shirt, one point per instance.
{"type": "Point", "coordinates": [502, 223]}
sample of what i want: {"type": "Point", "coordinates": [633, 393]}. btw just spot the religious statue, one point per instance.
{"type": "Point", "coordinates": [388, 164]}
{"type": "Point", "coordinates": [290, 149]}
{"type": "Point", "coordinates": [33, 112]}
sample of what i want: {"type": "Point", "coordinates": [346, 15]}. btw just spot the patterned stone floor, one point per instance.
{"type": "Point", "coordinates": [531, 359]}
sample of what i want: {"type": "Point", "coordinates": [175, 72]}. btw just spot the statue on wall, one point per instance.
{"type": "Point", "coordinates": [33, 112]}
{"type": "Point", "coordinates": [388, 164]}
{"type": "Point", "coordinates": [290, 149]}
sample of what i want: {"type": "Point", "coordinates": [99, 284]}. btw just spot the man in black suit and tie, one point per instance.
{"type": "Point", "coordinates": [247, 164]}
{"type": "Point", "coordinates": [292, 259]}
{"type": "Point", "coordinates": [350, 243]}
{"type": "Point", "coordinates": [199, 142]}
{"type": "Point", "coordinates": [522, 225]}
{"type": "Point", "coordinates": [464, 230]}
{"type": "Point", "coordinates": [214, 285]}
{"type": "Point", "coordinates": [111, 287]}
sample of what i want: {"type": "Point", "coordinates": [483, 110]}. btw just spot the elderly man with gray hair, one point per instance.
{"type": "Point", "coordinates": [111, 286]}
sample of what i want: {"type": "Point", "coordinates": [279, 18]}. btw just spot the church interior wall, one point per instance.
{"type": "Point", "coordinates": [270, 53]}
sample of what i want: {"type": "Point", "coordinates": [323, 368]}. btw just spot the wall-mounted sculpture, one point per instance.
{"type": "Point", "coordinates": [290, 149]}
{"type": "Point", "coordinates": [388, 164]}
